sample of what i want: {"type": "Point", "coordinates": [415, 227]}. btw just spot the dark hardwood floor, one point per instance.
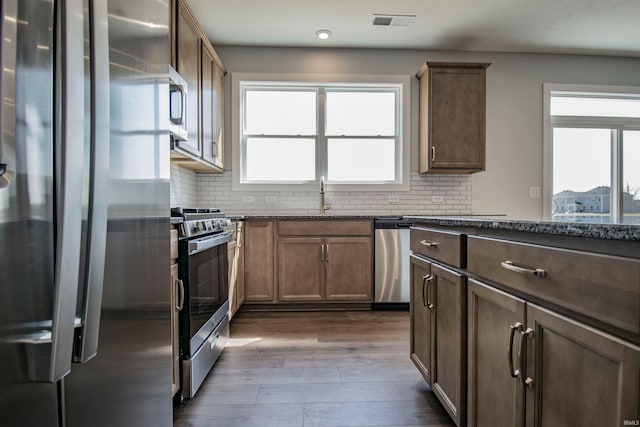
{"type": "Point", "coordinates": [317, 369]}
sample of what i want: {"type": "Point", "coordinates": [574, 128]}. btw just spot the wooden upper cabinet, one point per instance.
{"type": "Point", "coordinates": [212, 116]}
{"type": "Point", "coordinates": [188, 64]}
{"type": "Point", "coordinates": [452, 117]}
{"type": "Point", "coordinates": [197, 62]}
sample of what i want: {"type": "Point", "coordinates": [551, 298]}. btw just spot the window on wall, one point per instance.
{"type": "Point", "coordinates": [291, 134]}
{"type": "Point", "coordinates": [594, 154]}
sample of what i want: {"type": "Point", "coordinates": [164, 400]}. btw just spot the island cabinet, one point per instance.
{"type": "Point", "coordinates": [438, 318]}
{"type": "Point", "coordinates": [197, 62]}
{"type": "Point", "coordinates": [452, 117]}
{"type": "Point", "coordinates": [528, 362]}
{"type": "Point", "coordinates": [324, 261]}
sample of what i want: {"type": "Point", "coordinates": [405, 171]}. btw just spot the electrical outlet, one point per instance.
{"type": "Point", "coordinates": [270, 199]}
{"type": "Point", "coordinates": [394, 199]}
{"type": "Point", "coordinates": [437, 199]}
{"type": "Point", "coordinates": [534, 192]}
{"type": "Point", "coordinates": [247, 199]}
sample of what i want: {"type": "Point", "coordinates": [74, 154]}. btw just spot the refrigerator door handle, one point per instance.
{"type": "Point", "coordinates": [68, 143]}
{"type": "Point", "coordinates": [87, 340]}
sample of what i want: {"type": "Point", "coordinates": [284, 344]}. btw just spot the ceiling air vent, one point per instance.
{"type": "Point", "coordinates": [393, 20]}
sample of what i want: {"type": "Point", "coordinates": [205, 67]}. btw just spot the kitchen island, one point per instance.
{"type": "Point", "coordinates": [534, 321]}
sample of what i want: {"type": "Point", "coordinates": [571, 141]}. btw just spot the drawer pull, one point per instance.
{"type": "Point", "coordinates": [517, 327]}
{"type": "Point", "coordinates": [428, 244]}
{"type": "Point", "coordinates": [509, 266]}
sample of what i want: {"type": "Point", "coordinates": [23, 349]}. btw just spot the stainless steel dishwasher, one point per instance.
{"type": "Point", "coordinates": [391, 263]}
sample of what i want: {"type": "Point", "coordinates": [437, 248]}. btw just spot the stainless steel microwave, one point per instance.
{"type": "Point", "coordinates": [178, 92]}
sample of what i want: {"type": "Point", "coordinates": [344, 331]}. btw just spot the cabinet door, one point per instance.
{"type": "Point", "coordinates": [210, 128]}
{"type": "Point", "coordinates": [258, 261]}
{"type": "Point", "coordinates": [218, 112]}
{"type": "Point", "coordinates": [188, 54]}
{"type": "Point", "coordinates": [348, 263]}
{"type": "Point", "coordinates": [175, 331]}
{"type": "Point", "coordinates": [495, 320]}
{"type": "Point", "coordinates": [233, 274]}
{"type": "Point", "coordinates": [420, 316]}
{"type": "Point", "coordinates": [300, 268]}
{"type": "Point", "coordinates": [452, 118]}
{"type": "Point", "coordinates": [240, 266]}
{"type": "Point", "coordinates": [448, 336]}
{"type": "Point", "coordinates": [577, 375]}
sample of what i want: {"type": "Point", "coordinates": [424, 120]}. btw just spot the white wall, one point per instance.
{"type": "Point", "coordinates": [514, 104]}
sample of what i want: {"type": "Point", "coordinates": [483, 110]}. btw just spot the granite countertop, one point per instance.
{"type": "Point", "coordinates": [321, 217]}
{"type": "Point", "coordinates": [596, 231]}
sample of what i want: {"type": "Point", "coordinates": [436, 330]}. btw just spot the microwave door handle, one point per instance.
{"type": "Point", "coordinates": [87, 341]}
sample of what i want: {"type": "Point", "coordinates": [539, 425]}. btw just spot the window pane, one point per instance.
{"type": "Point", "coordinates": [361, 113]}
{"type": "Point", "coordinates": [631, 177]}
{"type": "Point", "coordinates": [271, 112]}
{"type": "Point", "coordinates": [361, 159]}
{"type": "Point", "coordinates": [581, 175]}
{"type": "Point", "coordinates": [278, 159]}
{"type": "Point", "coordinates": [597, 107]}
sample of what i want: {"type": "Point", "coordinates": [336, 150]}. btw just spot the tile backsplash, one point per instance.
{"type": "Point", "coordinates": [429, 195]}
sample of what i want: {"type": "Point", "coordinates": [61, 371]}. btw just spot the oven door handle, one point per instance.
{"type": "Point", "coordinates": [204, 243]}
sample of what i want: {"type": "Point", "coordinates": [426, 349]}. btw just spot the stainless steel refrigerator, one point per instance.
{"type": "Point", "coordinates": [84, 206]}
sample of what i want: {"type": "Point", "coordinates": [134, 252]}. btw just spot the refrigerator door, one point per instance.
{"type": "Point", "coordinates": [40, 211]}
{"type": "Point", "coordinates": [128, 381]}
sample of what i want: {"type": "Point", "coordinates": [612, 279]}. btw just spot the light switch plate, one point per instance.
{"type": "Point", "coordinates": [247, 199]}
{"type": "Point", "coordinates": [534, 192]}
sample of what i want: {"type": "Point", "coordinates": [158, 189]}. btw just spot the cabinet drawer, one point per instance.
{"type": "Point", "coordinates": [325, 228]}
{"type": "Point", "coordinates": [440, 245]}
{"type": "Point", "coordinates": [603, 287]}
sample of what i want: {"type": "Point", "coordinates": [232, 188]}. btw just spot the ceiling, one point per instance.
{"type": "Point", "coordinates": [599, 27]}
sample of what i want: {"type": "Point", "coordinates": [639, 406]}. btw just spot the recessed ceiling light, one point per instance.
{"type": "Point", "coordinates": [323, 34]}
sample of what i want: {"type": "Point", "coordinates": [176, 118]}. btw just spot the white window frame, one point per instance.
{"type": "Point", "coordinates": [618, 124]}
{"type": "Point", "coordinates": [403, 166]}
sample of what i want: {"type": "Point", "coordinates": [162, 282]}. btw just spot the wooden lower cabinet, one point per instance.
{"type": "Point", "coordinates": [324, 269]}
{"type": "Point", "coordinates": [495, 396]}
{"type": "Point", "coordinates": [420, 317]}
{"type": "Point", "coordinates": [348, 267]}
{"type": "Point", "coordinates": [301, 269]}
{"type": "Point", "coordinates": [568, 373]}
{"type": "Point", "coordinates": [258, 261]}
{"type": "Point", "coordinates": [577, 375]}
{"type": "Point", "coordinates": [444, 293]}
{"type": "Point", "coordinates": [175, 329]}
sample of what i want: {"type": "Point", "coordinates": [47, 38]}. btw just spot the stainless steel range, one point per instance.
{"type": "Point", "coordinates": [203, 271]}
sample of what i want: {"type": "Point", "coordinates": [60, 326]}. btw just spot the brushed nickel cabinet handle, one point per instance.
{"type": "Point", "coordinates": [433, 153]}
{"type": "Point", "coordinates": [428, 244]}
{"type": "Point", "coordinates": [429, 304]}
{"type": "Point", "coordinates": [511, 267]}
{"type": "Point", "coordinates": [424, 289]}
{"type": "Point", "coordinates": [515, 327]}
{"type": "Point", "coordinates": [326, 253]}
{"type": "Point", "coordinates": [527, 333]}
{"type": "Point", "coordinates": [322, 253]}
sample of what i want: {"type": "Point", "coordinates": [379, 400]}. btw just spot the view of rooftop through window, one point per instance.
{"type": "Point", "coordinates": [595, 154]}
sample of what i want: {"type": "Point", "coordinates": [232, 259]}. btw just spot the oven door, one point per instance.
{"type": "Point", "coordinates": [204, 268]}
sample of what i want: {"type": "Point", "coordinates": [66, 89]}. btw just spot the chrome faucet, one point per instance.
{"type": "Point", "coordinates": [323, 207]}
